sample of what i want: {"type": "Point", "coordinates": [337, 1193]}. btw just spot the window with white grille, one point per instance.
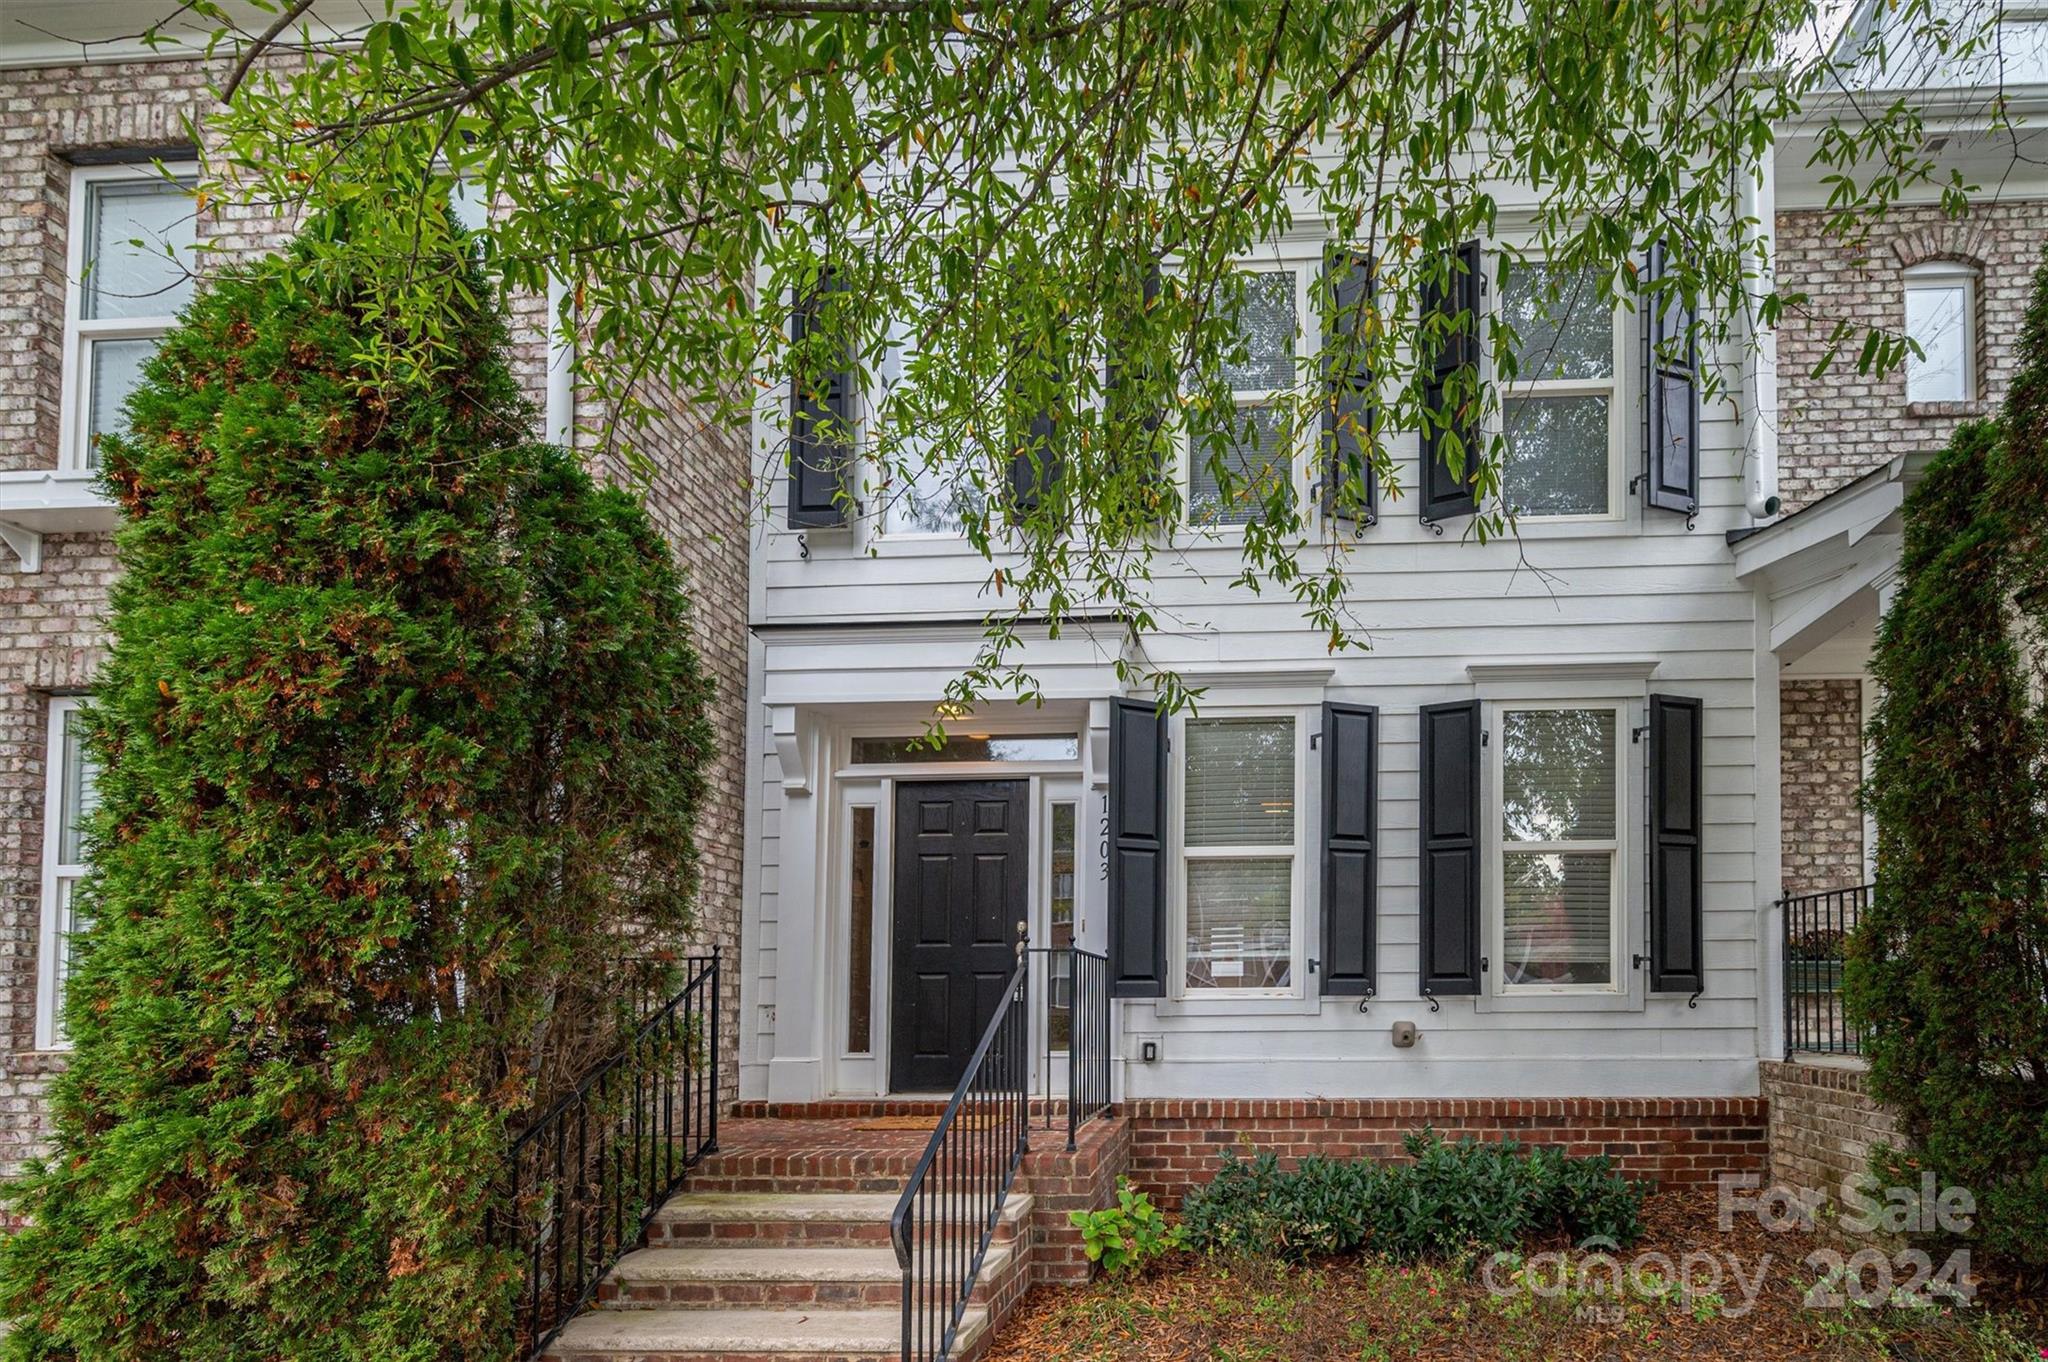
{"type": "Point", "coordinates": [130, 263]}
{"type": "Point", "coordinates": [1558, 869]}
{"type": "Point", "coordinates": [1240, 852]}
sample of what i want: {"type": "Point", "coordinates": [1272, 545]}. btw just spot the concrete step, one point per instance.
{"type": "Point", "coordinates": [703, 1335]}
{"type": "Point", "coordinates": [810, 1278]}
{"type": "Point", "coordinates": [737, 1219]}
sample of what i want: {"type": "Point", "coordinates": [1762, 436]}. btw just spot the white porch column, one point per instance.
{"type": "Point", "coordinates": [796, 1072]}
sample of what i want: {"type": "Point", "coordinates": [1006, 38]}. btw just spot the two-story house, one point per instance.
{"type": "Point", "coordinates": [1530, 844]}
{"type": "Point", "coordinates": [88, 115]}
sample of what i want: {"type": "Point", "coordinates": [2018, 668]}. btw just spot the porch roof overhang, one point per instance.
{"type": "Point", "coordinates": [829, 664]}
{"type": "Point", "coordinates": [1832, 562]}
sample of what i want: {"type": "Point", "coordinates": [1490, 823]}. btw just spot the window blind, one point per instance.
{"type": "Point", "coordinates": [1240, 782]}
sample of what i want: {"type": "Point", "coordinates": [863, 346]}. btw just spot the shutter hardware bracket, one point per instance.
{"type": "Point", "coordinates": [1637, 961]}
{"type": "Point", "coordinates": [1434, 1005]}
{"type": "Point", "coordinates": [1368, 996]}
{"type": "Point", "coordinates": [803, 547]}
{"type": "Point", "coordinates": [1635, 735]}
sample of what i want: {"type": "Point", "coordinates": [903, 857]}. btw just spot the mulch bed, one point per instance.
{"type": "Point", "coordinates": [1363, 1309]}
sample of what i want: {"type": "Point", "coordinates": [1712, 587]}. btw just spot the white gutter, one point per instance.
{"type": "Point", "coordinates": [560, 423]}
{"type": "Point", "coordinates": [1758, 204]}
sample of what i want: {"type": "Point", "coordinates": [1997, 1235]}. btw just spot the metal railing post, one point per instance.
{"type": "Point", "coordinates": [629, 1097]}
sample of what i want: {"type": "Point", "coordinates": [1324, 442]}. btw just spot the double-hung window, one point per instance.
{"type": "Point", "coordinates": [1240, 853]}
{"type": "Point", "coordinates": [1256, 450]}
{"type": "Point", "coordinates": [129, 275]}
{"type": "Point", "coordinates": [934, 491]}
{"type": "Point", "coordinates": [1562, 408]}
{"type": "Point", "coordinates": [69, 798]}
{"type": "Point", "coordinates": [1557, 865]}
{"type": "Point", "coordinates": [1941, 318]}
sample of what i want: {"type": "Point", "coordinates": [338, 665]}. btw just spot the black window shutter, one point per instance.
{"type": "Point", "coordinates": [1456, 301]}
{"type": "Point", "coordinates": [1350, 847]}
{"type": "Point", "coordinates": [1035, 466]}
{"type": "Point", "coordinates": [820, 428]}
{"type": "Point", "coordinates": [1153, 418]}
{"type": "Point", "coordinates": [1348, 409]}
{"type": "Point", "coordinates": [1671, 399]}
{"type": "Point", "coordinates": [1035, 456]}
{"type": "Point", "coordinates": [1450, 849]}
{"type": "Point", "coordinates": [1137, 849]}
{"type": "Point", "coordinates": [1676, 959]}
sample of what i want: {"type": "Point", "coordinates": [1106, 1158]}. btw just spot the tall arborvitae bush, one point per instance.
{"type": "Point", "coordinates": [1949, 970]}
{"type": "Point", "coordinates": [401, 737]}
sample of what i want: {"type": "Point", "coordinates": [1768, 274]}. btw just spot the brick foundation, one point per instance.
{"type": "Point", "coordinates": [1673, 1141]}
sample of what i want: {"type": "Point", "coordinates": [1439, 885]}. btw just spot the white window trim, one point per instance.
{"type": "Point", "coordinates": [1177, 944]}
{"type": "Point", "coordinates": [49, 946]}
{"type": "Point", "coordinates": [1620, 846]}
{"type": "Point", "coordinates": [75, 422]}
{"type": "Point", "coordinates": [1614, 387]}
{"type": "Point", "coordinates": [1941, 276]}
{"type": "Point", "coordinates": [1306, 344]}
{"type": "Point", "coordinates": [1037, 726]}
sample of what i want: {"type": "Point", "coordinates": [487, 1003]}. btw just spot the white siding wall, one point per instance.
{"type": "Point", "coordinates": [1641, 589]}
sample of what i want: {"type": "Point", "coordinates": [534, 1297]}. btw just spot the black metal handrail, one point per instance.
{"type": "Point", "coordinates": [586, 1177]}
{"type": "Point", "coordinates": [947, 1216]}
{"type": "Point", "coordinates": [1086, 1014]}
{"type": "Point", "coordinates": [1816, 933]}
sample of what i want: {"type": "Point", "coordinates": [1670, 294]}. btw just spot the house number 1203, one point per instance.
{"type": "Point", "coordinates": [1102, 860]}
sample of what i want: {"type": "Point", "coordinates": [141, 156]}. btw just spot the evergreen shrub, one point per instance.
{"type": "Point", "coordinates": [1948, 970]}
{"type": "Point", "coordinates": [401, 738]}
{"type": "Point", "coordinates": [1448, 1198]}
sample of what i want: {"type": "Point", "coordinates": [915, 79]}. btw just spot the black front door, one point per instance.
{"type": "Point", "coordinates": [963, 870]}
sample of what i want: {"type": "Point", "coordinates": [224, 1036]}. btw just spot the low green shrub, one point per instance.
{"type": "Point", "coordinates": [1128, 1235]}
{"type": "Point", "coordinates": [1450, 1197]}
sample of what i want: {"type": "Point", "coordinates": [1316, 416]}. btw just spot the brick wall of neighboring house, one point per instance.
{"type": "Point", "coordinates": [1836, 427]}
{"type": "Point", "coordinates": [52, 622]}
{"type": "Point", "coordinates": [1820, 747]}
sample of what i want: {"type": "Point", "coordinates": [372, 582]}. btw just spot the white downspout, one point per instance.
{"type": "Point", "coordinates": [560, 409]}
{"type": "Point", "coordinates": [1758, 203]}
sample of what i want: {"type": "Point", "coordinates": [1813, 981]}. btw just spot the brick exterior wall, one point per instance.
{"type": "Point", "coordinates": [1823, 1124]}
{"type": "Point", "coordinates": [52, 623]}
{"type": "Point", "coordinates": [1834, 428]}
{"type": "Point", "coordinates": [1176, 1144]}
{"type": "Point", "coordinates": [1061, 1183]}
{"type": "Point", "coordinates": [1820, 774]}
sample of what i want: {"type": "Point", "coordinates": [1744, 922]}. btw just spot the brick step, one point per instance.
{"type": "Point", "coordinates": [792, 1335]}
{"type": "Point", "coordinates": [862, 1171]}
{"type": "Point", "coordinates": [809, 1278]}
{"type": "Point", "coordinates": [737, 1219]}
